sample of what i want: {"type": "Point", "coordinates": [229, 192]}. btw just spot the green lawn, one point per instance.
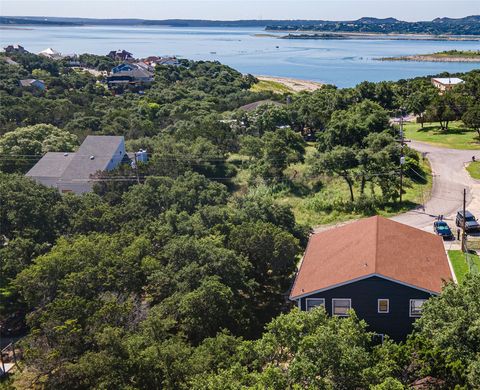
{"type": "Point", "coordinates": [460, 265]}
{"type": "Point", "coordinates": [474, 170]}
{"type": "Point", "coordinates": [270, 86]}
{"type": "Point", "coordinates": [456, 137]}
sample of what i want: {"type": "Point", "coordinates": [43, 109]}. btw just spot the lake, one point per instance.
{"type": "Point", "coordinates": [344, 63]}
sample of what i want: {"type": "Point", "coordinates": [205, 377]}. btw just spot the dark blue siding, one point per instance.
{"type": "Point", "coordinates": [364, 295]}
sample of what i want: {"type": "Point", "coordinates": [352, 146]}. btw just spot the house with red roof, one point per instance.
{"type": "Point", "coordinates": [382, 269]}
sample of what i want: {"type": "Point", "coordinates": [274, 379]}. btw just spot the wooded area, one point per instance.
{"type": "Point", "coordinates": [181, 281]}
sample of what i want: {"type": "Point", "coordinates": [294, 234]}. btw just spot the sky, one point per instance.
{"type": "Point", "coordinates": [410, 10]}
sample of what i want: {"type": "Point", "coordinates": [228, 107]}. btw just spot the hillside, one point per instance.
{"type": "Point", "coordinates": [469, 25]}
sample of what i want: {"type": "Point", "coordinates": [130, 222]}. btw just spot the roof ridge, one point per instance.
{"type": "Point", "coordinates": [377, 233]}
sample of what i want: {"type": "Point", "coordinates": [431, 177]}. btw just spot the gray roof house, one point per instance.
{"type": "Point", "coordinates": [72, 172]}
{"type": "Point", "coordinates": [40, 84]}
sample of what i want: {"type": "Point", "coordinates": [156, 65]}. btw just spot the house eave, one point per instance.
{"type": "Point", "coordinates": [297, 297]}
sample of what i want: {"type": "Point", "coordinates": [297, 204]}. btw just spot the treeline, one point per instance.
{"type": "Point", "coordinates": [179, 278]}
{"type": "Point", "coordinates": [440, 26]}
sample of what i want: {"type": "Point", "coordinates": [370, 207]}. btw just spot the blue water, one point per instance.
{"type": "Point", "coordinates": [341, 62]}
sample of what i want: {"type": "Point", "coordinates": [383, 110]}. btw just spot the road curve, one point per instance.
{"type": "Point", "coordinates": [449, 180]}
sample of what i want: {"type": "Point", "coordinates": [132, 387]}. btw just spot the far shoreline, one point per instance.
{"type": "Point", "coordinates": [312, 34]}
{"type": "Point", "coordinates": [433, 58]}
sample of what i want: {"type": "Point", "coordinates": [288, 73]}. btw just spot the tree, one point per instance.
{"type": "Point", "coordinates": [21, 148]}
{"type": "Point", "coordinates": [28, 209]}
{"type": "Point", "coordinates": [341, 161]}
{"type": "Point", "coordinates": [379, 162]}
{"type": "Point", "coordinates": [471, 118]}
{"type": "Point", "coordinates": [207, 309]}
{"type": "Point", "coordinates": [276, 151]}
{"type": "Point", "coordinates": [313, 350]}
{"type": "Point", "coordinates": [349, 127]}
{"type": "Point", "coordinates": [272, 253]}
{"type": "Point", "coordinates": [446, 339]}
{"type": "Point", "coordinates": [417, 103]}
{"type": "Point", "coordinates": [441, 110]}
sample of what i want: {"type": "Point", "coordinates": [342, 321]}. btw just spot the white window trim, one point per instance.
{"type": "Point", "coordinates": [313, 299]}
{"type": "Point", "coordinates": [340, 299]}
{"type": "Point", "coordinates": [410, 307]}
{"type": "Point", "coordinates": [378, 305]}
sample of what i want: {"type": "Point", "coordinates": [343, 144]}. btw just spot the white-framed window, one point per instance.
{"type": "Point", "coordinates": [416, 307]}
{"type": "Point", "coordinates": [341, 306]}
{"type": "Point", "coordinates": [312, 303]}
{"type": "Point", "coordinates": [383, 305]}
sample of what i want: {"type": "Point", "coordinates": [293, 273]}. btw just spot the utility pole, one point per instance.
{"type": "Point", "coordinates": [464, 234]}
{"type": "Point", "coordinates": [402, 158]}
{"type": "Point", "coordinates": [136, 167]}
{"type": "Point", "coordinates": [402, 141]}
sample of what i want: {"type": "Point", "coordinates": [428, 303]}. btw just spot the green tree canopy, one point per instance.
{"type": "Point", "coordinates": [21, 148]}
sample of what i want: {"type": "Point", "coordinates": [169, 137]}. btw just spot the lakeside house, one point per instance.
{"type": "Point", "coordinates": [446, 83]}
{"type": "Point", "coordinates": [10, 49]}
{"type": "Point", "coordinates": [51, 53]}
{"type": "Point", "coordinates": [9, 61]}
{"type": "Point", "coordinates": [120, 55]}
{"type": "Point", "coordinates": [382, 269]}
{"type": "Point", "coordinates": [32, 83]}
{"type": "Point", "coordinates": [73, 172]}
{"type": "Point", "coordinates": [155, 60]}
{"type": "Point", "coordinates": [129, 74]}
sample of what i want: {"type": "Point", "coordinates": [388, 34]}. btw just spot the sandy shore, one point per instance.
{"type": "Point", "coordinates": [293, 84]}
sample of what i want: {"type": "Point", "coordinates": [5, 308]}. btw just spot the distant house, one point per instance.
{"type": "Point", "coordinates": [253, 106]}
{"type": "Point", "coordinates": [72, 172]}
{"type": "Point", "coordinates": [145, 66]}
{"type": "Point", "coordinates": [168, 61]}
{"type": "Point", "coordinates": [447, 83]}
{"type": "Point", "coordinates": [120, 55]}
{"type": "Point", "coordinates": [154, 61]}
{"type": "Point", "coordinates": [9, 61]}
{"type": "Point", "coordinates": [51, 53]}
{"type": "Point", "coordinates": [73, 60]}
{"type": "Point", "coordinates": [382, 269]}
{"type": "Point", "coordinates": [34, 83]}
{"type": "Point", "coordinates": [14, 49]}
{"type": "Point", "coordinates": [125, 67]}
{"type": "Point", "coordinates": [129, 74]}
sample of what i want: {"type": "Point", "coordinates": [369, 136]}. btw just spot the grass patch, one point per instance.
{"type": "Point", "coordinates": [305, 193]}
{"type": "Point", "coordinates": [456, 54]}
{"type": "Point", "coordinates": [457, 136]}
{"type": "Point", "coordinates": [270, 86]}
{"type": "Point", "coordinates": [460, 263]}
{"type": "Point", "coordinates": [474, 170]}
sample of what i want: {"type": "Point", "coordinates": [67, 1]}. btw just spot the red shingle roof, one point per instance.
{"type": "Point", "coordinates": [368, 247]}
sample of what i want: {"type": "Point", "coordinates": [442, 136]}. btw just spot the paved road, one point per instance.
{"type": "Point", "coordinates": [450, 179]}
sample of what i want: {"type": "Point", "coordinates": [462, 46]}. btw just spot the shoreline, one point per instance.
{"type": "Point", "coordinates": [312, 34]}
{"type": "Point", "coordinates": [431, 58]}
{"type": "Point", "coordinates": [296, 85]}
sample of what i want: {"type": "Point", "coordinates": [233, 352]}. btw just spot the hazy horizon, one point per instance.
{"type": "Point", "coordinates": [409, 10]}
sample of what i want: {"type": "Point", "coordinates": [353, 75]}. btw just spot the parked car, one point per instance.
{"type": "Point", "coordinates": [443, 230]}
{"type": "Point", "coordinates": [471, 223]}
